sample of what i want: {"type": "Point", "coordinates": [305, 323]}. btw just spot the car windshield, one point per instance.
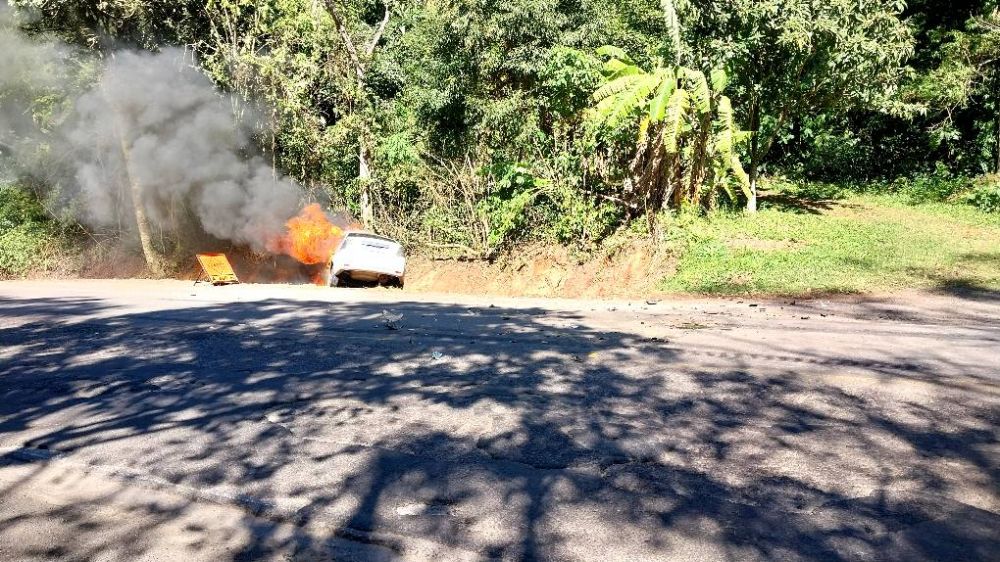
{"type": "Point", "coordinates": [369, 243]}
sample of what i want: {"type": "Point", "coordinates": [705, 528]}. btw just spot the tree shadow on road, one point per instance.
{"type": "Point", "coordinates": [501, 433]}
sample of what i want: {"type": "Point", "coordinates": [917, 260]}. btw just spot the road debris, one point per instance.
{"type": "Point", "coordinates": [391, 321]}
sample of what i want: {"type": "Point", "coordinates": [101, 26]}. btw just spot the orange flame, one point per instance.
{"type": "Point", "coordinates": [310, 238]}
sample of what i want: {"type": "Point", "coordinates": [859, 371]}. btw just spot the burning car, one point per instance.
{"type": "Point", "coordinates": [363, 256]}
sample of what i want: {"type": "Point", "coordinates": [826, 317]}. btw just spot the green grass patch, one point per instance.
{"type": "Point", "coordinates": [860, 243]}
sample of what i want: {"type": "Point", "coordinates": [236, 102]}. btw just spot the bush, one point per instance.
{"type": "Point", "coordinates": [805, 189]}
{"type": "Point", "coordinates": [577, 219]}
{"type": "Point", "coordinates": [985, 193]}
{"type": "Point", "coordinates": [936, 186]}
{"type": "Point", "coordinates": [27, 235]}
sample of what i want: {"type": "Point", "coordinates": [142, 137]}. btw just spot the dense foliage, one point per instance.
{"type": "Point", "coordinates": [468, 124]}
{"type": "Point", "coordinates": [27, 234]}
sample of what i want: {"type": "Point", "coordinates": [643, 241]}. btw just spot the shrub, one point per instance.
{"type": "Point", "coordinates": [806, 189]}
{"type": "Point", "coordinates": [939, 185]}
{"type": "Point", "coordinates": [514, 189]}
{"type": "Point", "coordinates": [985, 193]}
{"type": "Point", "coordinates": [578, 219]}
{"type": "Point", "coordinates": [27, 235]}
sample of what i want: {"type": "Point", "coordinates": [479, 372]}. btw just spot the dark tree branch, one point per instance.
{"type": "Point", "coordinates": [379, 31]}
{"type": "Point", "coordinates": [352, 51]}
{"type": "Point", "coordinates": [360, 65]}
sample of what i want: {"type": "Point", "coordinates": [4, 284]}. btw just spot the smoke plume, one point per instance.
{"type": "Point", "coordinates": [155, 127]}
{"type": "Point", "coordinates": [183, 148]}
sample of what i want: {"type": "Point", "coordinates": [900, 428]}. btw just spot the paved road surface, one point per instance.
{"type": "Point", "coordinates": [148, 420]}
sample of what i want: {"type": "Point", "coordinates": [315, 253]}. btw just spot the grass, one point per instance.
{"type": "Point", "coordinates": [860, 243]}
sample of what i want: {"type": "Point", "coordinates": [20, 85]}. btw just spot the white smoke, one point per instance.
{"type": "Point", "coordinates": [155, 121]}
{"type": "Point", "coordinates": [27, 68]}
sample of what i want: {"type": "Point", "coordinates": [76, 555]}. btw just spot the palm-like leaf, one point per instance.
{"type": "Point", "coordinates": [622, 97]}
{"type": "Point", "coordinates": [676, 108]}
{"type": "Point", "coordinates": [740, 174]}
{"type": "Point", "coordinates": [643, 132]}
{"type": "Point", "coordinates": [612, 52]}
{"type": "Point", "coordinates": [673, 29]}
{"type": "Point", "coordinates": [630, 101]}
{"type": "Point", "coordinates": [719, 80]}
{"type": "Point", "coordinates": [658, 105]}
{"type": "Point", "coordinates": [616, 68]}
{"type": "Point", "coordinates": [724, 138]}
{"type": "Point", "coordinates": [701, 95]}
{"type": "Point", "coordinates": [617, 86]}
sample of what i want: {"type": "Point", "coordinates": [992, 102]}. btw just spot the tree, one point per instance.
{"type": "Point", "coordinates": [361, 61]}
{"type": "Point", "coordinates": [109, 25]}
{"type": "Point", "coordinates": [686, 145]}
{"type": "Point", "coordinates": [154, 260]}
{"type": "Point", "coordinates": [795, 58]}
{"type": "Point", "coordinates": [474, 70]}
{"type": "Point", "coordinates": [965, 82]}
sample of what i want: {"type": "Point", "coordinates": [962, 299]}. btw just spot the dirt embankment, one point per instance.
{"type": "Point", "coordinates": [628, 270]}
{"type": "Point", "coordinates": [631, 269]}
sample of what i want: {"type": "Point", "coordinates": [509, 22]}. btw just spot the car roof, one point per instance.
{"type": "Point", "coordinates": [357, 233]}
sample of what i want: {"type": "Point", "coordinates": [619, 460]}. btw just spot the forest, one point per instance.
{"type": "Point", "coordinates": [472, 127]}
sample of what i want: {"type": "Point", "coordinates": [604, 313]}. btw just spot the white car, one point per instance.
{"type": "Point", "coordinates": [368, 257]}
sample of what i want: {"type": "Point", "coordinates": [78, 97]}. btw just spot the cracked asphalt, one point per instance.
{"type": "Point", "coordinates": [156, 420]}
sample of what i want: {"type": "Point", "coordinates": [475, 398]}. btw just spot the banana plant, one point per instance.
{"type": "Point", "coordinates": [686, 149]}
{"type": "Point", "coordinates": [687, 138]}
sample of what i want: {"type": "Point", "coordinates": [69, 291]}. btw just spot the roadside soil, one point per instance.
{"type": "Point", "coordinates": [632, 270]}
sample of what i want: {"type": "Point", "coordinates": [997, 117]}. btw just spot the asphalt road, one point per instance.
{"type": "Point", "coordinates": [146, 420]}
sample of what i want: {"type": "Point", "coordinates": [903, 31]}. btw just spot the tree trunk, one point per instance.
{"type": "Point", "coordinates": [364, 178]}
{"type": "Point", "coordinates": [996, 145]}
{"type": "Point", "coordinates": [153, 259]}
{"type": "Point", "coordinates": [360, 61]}
{"type": "Point", "coordinates": [699, 159]}
{"type": "Point", "coordinates": [754, 156]}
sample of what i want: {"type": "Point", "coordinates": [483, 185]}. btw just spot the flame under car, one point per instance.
{"type": "Point", "coordinates": [362, 256]}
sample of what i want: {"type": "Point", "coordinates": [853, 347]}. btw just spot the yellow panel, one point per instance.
{"type": "Point", "coordinates": [218, 269]}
